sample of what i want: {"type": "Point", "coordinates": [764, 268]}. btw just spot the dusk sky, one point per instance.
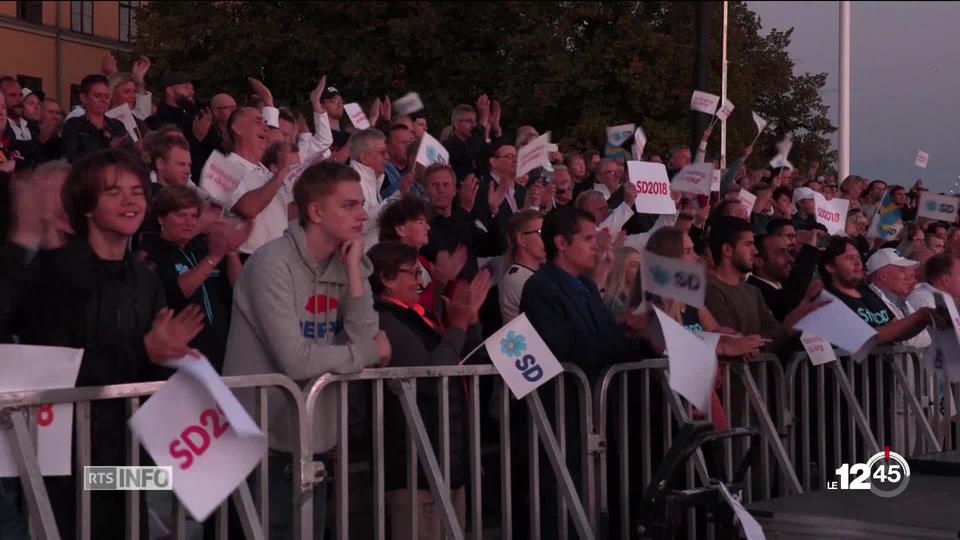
{"type": "Point", "coordinates": [904, 81]}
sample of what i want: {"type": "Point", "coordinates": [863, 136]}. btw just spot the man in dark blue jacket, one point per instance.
{"type": "Point", "coordinates": [565, 306]}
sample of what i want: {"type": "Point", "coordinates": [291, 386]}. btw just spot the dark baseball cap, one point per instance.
{"type": "Point", "coordinates": [176, 77]}
{"type": "Point", "coordinates": [330, 92]}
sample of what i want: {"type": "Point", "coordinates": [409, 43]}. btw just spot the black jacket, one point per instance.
{"type": "Point", "coordinates": [13, 273]}
{"type": "Point", "coordinates": [183, 119]}
{"type": "Point", "coordinates": [416, 343]}
{"type": "Point", "coordinates": [446, 233]}
{"type": "Point", "coordinates": [74, 299]}
{"type": "Point", "coordinates": [781, 302]}
{"type": "Point", "coordinates": [482, 212]}
{"type": "Point", "coordinates": [214, 297]}
{"type": "Point", "coordinates": [81, 138]}
{"type": "Point", "coordinates": [465, 156]}
{"type": "Point", "coordinates": [578, 334]}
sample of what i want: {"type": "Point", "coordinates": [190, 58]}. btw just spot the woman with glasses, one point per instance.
{"type": "Point", "coordinates": [419, 338]}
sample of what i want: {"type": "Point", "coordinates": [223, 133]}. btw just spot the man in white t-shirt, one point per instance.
{"type": "Point", "coordinates": [527, 253]}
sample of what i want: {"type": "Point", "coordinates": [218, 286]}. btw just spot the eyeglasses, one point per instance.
{"type": "Point", "coordinates": [535, 231]}
{"type": "Point", "coordinates": [414, 272]}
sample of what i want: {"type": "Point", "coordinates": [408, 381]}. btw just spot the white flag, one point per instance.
{"type": "Point", "coordinates": [673, 278]}
{"type": "Point", "coordinates": [938, 207]}
{"type": "Point", "coordinates": [760, 122]}
{"type": "Point", "coordinates": [639, 142]}
{"type": "Point", "coordinates": [32, 367]}
{"type": "Point", "coordinates": [704, 102]}
{"type": "Point", "coordinates": [783, 153]}
{"type": "Point", "coordinates": [694, 178]}
{"type": "Point", "coordinates": [724, 111]}
{"type": "Point", "coordinates": [921, 160]}
{"type": "Point", "coordinates": [534, 154]}
{"type": "Point", "coordinates": [616, 135]}
{"type": "Point", "coordinates": [220, 177]}
{"type": "Point", "coordinates": [831, 214]}
{"type": "Point", "coordinates": [125, 116]}
{"type": "Point", "coordinates": [357, 116]}
{"type": "Point", "coordinates": [692, 362]}
{"type": "Point", "coordinates": [195, 424]}
{"type": "Point", "coordinates": [431, 151]}
{"type": "Point", "coordinates": [408, 104]}
{"type": "Point", "coordinates": [748, 200]}
{"type": "Point", "coordinates": [522, 358]}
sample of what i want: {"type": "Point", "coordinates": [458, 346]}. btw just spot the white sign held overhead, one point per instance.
{"type": "Point", "coordinates": [639, 142]}
{"type": "Point", "coordinates": [922, 158]}
{"type": "Point", "coordinates": [818, 349]}
{"type": "Point", "coordinates": [653, 187]}
{"type": "Point", "coordinates": [673, 278]}
{"type": "Point", "coordinates": [831, 214]}
{"type": "Point", "coordinates": [783, 153]}
{"type": "Point", "coordinates": [431, 151]}
{"type": "Point", "coordinates": [839, 325]}
{"type": "Point", "coordinates": [522, 358]}
{"type": "Point", "coordinates": [617, 135]}
{"type": "Point", "coordinates": [724, 111]}
{"type": "Point", "coordinates": [760, 122]}
{"type": "Point", "coordinates": [220, 177]}
{"type": "Point", "coordinates": [938, 207]}
{"type": "Point", "coordinates": [692, 362]}
{"type": "Point", "coordinates": [694, 178]}
{"type": "Point", "coordinates": [408, 104]}
{"type": "Point", "coordinates": [125, 116]}
{"type": "Point", "coordinates": [704, 102]}
{"type": "Point", "coordinates": [195, 424]}
{"type": "Point", "coordinates": [534, 154]}
{"type": "Point", "coordinates": [357, 117]}
{"type": "Point", "coordinates": [47, 367]}
{"type": "Point", "coordinates": [748, 200]}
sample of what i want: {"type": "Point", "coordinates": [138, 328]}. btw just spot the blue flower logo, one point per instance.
{"type": "Point", "coordinates": [181, 269]}
{"type": "Point", "coordinates": [513, 345]}
{"type": "Point", "coordinates": [431, 154]}
{"type": "Point", "coordinates": [660, 276]}
{"type": "Point", "coordinates": [931, 206]}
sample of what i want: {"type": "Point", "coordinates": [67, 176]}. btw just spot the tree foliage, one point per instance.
{"type": "Point", "coordinates": [569, 67]}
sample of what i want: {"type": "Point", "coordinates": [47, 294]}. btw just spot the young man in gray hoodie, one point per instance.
{"type": "Point", "coordinates": [303, 307]}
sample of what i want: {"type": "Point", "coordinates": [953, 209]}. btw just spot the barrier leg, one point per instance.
{"type": "Point", "coordinates": [432, 468]}
{"type": "Point", "coordinates": [854, 407]}
{"type": "Point", "coordinates": [913, 404]}
{"type": "Point", "coordinates": [769, 430]}
{"type": "Point", "coordinates": [36, 493]}
{"type": "Point", "coordinates": [247, 512]}
{"type": "Point", "coordinates": [564, 481]}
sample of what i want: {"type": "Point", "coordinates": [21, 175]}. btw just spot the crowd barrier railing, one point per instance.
{"type": "Point", "coordinates": [746, 402]}
{"type": "Point", "coordinates": [847, 411]}
{"type": "Point", "coordinates": [18, 412]}
{"type": "Point", "coordinates": [404, 382]}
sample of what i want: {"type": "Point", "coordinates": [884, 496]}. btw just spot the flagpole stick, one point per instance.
{"type": "Point", "coordinates": [469, 354]}
{"type": "Point", "coordinates": [757, 136]}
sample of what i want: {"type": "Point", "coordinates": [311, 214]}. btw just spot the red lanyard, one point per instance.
{"type": "Point", "coordinates": [419, 310]}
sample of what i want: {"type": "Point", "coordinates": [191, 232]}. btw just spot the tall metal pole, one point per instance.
{"type": "Point", "coordinates": [700, 63]}
{"type": "Point", "coordinates": [723, 90]}
{"type": "Point", "coordinates": [844, 121]}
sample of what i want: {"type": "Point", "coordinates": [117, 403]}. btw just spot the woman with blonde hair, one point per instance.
{"type": "Point", "coordinates": [851, 188]}
{"type": "Point", "coordinates": [626, 263]}
{"type": "Point", "coordinates": [673, 243]}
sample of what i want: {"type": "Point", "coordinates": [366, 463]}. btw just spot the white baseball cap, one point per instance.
{"type": "Point", "coordinates": [885, 257]}
{"type": "Point", "coordinates": [802, 193]}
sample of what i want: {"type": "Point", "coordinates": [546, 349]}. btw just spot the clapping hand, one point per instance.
{"type": "Point", "coordinates": [169, 337]}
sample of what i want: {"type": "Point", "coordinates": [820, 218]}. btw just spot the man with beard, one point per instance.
{"type": "Point", "coordinates": [734, 303]}
{"type": "Point", "coordinates": [785, 267]}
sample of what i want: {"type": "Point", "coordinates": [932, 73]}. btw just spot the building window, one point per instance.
{"type": "Point", "coordinates": [128, 19]}
{"type": "Point", "coordinates": [81, 17]}
{"type": "Point", "coordinates": [31, 12]}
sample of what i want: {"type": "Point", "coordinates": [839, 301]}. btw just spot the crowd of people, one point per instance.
{"type": "Point", "coordinates": [366, 258]}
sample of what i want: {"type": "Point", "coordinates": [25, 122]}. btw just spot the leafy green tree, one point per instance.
{"type": "Point", "coordinates": [569, 67]}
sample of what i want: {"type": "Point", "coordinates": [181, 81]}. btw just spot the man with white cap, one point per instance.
{"type": "Point", "coordinates": [892, 278]}
{"type": "Point", "coordinates": [806, 215]}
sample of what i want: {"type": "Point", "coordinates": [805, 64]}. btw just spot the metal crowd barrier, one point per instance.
{"type": "Point", "coordinates": [858, 408]}
{"type": "Point", "coordinates": [436, 461]}
{"type": "Point", "coordinates": [761, 405]}
{"type": "Point", "coordinates": [19, 411]}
